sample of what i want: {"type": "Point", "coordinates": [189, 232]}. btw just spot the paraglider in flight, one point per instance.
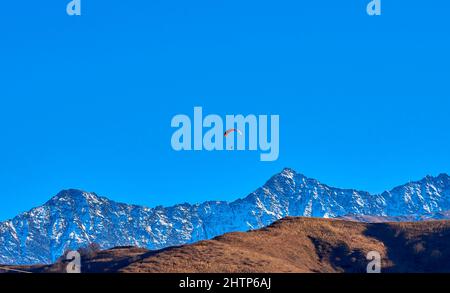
{"type": "Point", "coordinates": [232, 130]}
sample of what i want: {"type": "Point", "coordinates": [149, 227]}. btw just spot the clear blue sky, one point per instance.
{"type": "Point", "coordinates": [86, 102]}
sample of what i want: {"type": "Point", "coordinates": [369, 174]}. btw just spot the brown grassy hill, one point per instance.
{"type": "Point", "coordinates": [291, 245]}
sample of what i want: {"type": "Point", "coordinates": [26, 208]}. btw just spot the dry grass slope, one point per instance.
{"type": "Point", "coordinates": [291, 245]}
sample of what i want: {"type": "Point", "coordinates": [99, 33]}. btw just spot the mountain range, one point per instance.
{"type": "Point", "coordinates": [74, 218]}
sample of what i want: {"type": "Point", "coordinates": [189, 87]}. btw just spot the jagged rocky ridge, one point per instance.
{"type": "Point", "coordinates": [74, 218]}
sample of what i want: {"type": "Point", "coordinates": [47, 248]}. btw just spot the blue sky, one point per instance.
{"type": "Point", "coordinates": [86, 102]}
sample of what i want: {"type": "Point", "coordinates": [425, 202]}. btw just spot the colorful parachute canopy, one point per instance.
{"type": "Point", "coordinates": [231, 130]}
